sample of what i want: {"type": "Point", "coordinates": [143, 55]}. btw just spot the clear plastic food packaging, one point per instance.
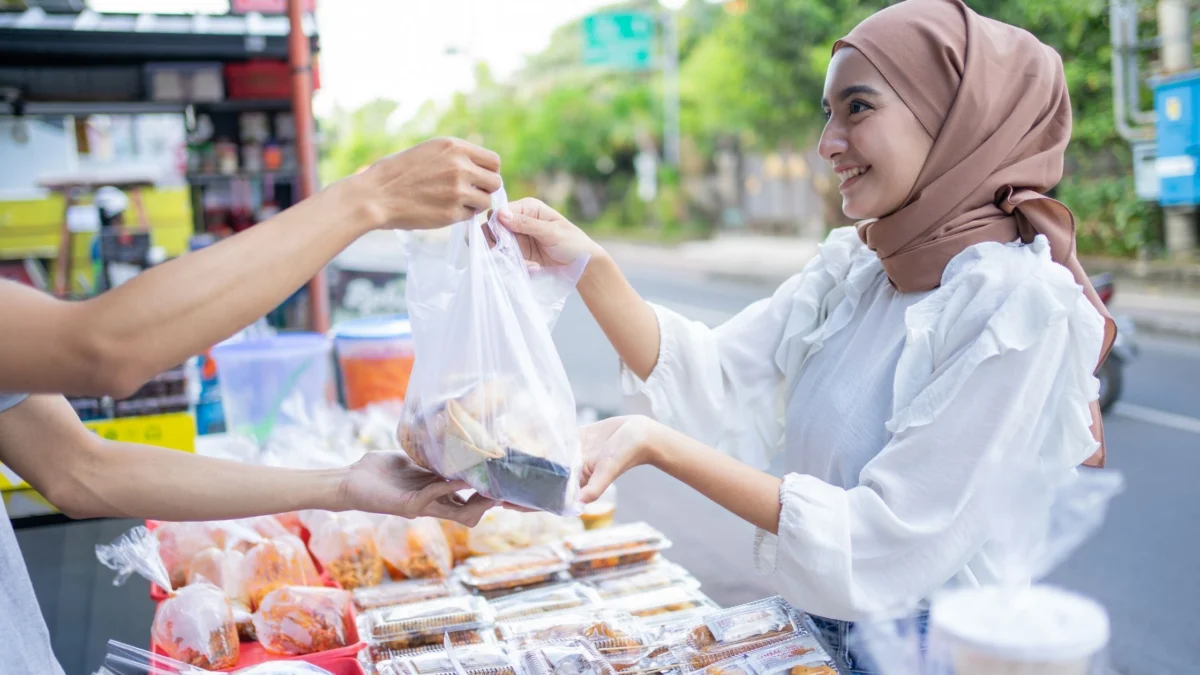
{"type": "Point", "coordinates": [738, 630]}
{"type": "Point", "coordinates": [405, 628]}
{"type": "Point", "coordinates": [298, 620]}
{"type": "Point", "coordinates": [518, 569]}
{"type": "Point", "coordinates": [616, 546]}
{"type": "Point", "coordinates": [548, 600]}
{"type": "Point", "coordinates": [195, 623]}
{"type": "Point", "coordinates": [274, 563]}
{"type": "Point", "coordinates": [458, 536]}
{"type": "Point", "coordinates": [222, 568]}
{"type": "Point", "coordinates": [180, 542]}
{"type": "Point", "coordinates": [569, 657]}
{"type": "Point", "coordinates": [489, 401]}
{"type": "Point", "coordinates": [640, 578]}
{"type": "Point", "coordinates": [738, 665]}
{"type": "Point", "coordinates": [618, 636]}
{"type": "Point", "coordinates": [665, 603]}
{"type": "Point", "coordinates": [504, 530]}
{"type": "Point", "coordinates": [404, 593]}
{"type": "Point", "coordinates": [798, 656]}
{"type": "Point", "coordinates": [415, 548]}
{"type": "Point", "coordinates": [344, 543]}
{"type": "Point", "coordinates": [487, 659]}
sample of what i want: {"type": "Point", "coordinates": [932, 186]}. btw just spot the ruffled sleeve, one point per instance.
{"type": "Point", "coordinates": [724, 385]}
{"type": "Point", "coordinates": [997, 364]}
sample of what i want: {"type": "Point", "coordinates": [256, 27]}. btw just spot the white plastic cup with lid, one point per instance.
{"type": "Point", "coordinates": [1001, 630]}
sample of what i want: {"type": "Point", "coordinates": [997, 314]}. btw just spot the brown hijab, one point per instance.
{"type": "Point", "coordinates": [995, 101]}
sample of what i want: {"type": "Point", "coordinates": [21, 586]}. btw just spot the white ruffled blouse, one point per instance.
{"type": "Point", "coordinates": [882, 408]}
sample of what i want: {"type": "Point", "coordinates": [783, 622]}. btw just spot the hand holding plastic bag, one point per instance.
{"type": "Point", "coordinates": [195, 624]}
{"type": "Point", "coordinates": [489, 401]}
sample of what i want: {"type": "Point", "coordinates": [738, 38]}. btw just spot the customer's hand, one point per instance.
{"type": "Point", "coordinates": [610, 448]}
{"type": "Point", "coordinates": [436, 183]}
{"type": "Point", "coordinates": [389, 482]}
{"type": "Point", "coordinates": [547, 239]}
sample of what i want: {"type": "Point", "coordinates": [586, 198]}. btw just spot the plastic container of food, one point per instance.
{"type": "Point", "coordinates": [665, 603]}
{"type": "Point", "coordinates": [514, 570]}
{"type": "Point", "coordinates": [611, 547]}
{"type": "Point", "coordinates": [618, 636]}
{"type": "Point", "coordinates": [487, 659]}
{"type": "Point", "coordinates": [375, 358]}
{"type": "Point", "coordinates": [738, 630]}
{"type": "Point", "coordinates": [640, 578]}
{"type": "Point", "coordinates": [799, 656]}
{"type": "Point", "coordinates": [548, 600]}
{"type": "Point", "coordinates": [409, 628]}
{"type": "Point", "coordinates": [404, 593]}
{"type": "Point", "coordinates": [570, 657]}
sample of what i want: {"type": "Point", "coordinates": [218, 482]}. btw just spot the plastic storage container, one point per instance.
{"type": "Point", "coordinates": [257, 376]}
{"type": "Point", "coordinates": [375, 358]}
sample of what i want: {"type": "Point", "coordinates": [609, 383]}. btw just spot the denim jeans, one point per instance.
{"type": "Point", "coordinates": [847, 650]}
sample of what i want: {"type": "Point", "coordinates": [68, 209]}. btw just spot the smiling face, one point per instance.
{"type": "Point", "coordinates": [872, 140]}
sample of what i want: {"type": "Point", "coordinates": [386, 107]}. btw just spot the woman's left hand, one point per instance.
{"type": "Point", "coordinates": [611, 447]}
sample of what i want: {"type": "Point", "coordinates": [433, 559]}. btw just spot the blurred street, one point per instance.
{"type": "Point", "coordinates": [1141, 565]}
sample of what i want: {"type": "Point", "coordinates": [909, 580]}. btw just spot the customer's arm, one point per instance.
{"type": "Point", "coordinates": [113, 343]}
{"type": "Point", "coordinates": [86, 476]}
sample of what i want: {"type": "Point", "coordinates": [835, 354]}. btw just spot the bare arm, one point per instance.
{"type": "Point", "coordinates": [86, 477]}
{"type": "Point", "coordinates": [113, 343]}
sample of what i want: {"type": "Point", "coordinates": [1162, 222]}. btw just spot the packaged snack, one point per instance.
{"type": "Point", "coordinates": [458, 536]}
{"type": "Point", "coordinates": [195, 623]}
{"type": "Point", "coordinates": [799, 656]}
{"type": "Point", "coordinates": [738, 630]}
{"type": "Point", "coordinates": [222, 568]}
{"type": "Point", "coordinates": [298, 620]}
{"type": "Point", "coordinates": [616, 635]}
{"type": "Point", "coordinates": [569, 657]}
{"type": "Point", "coordinates": [503, 530]}
{"type": "Point", "coordinates": [738, 665]}
{"type": "Point", "coordinates": [640, 578]}
{"type": "Point", "coordinates": [546, 600]}
{"type": "Point", "coordinates": [416, 548]}
{"type": "Point", "coordinates": [614, 547]}
{"type": "Point", "coordinates": [488, 659]}
{"type": "Point", "coordinates": [488, 400]}
{"type": "Point", "coordinates": [514, 570]}
{"type": "Point", "coordinates": [404, 593]}
{"type": "Point", "coordinates": [123, 659]}
{"type": "Point", "coordinates": [664, 603]}
{"type": "Point", "coordinates": [274, 563]}
{"type": "Point", "coordinates": [413, 626]}
{"type": "Point", "coordinates": [180, 542]}
{"type": "Point", "coordinates": [345, 545]}
{"type": "Point", "coordinates": [290, 522]}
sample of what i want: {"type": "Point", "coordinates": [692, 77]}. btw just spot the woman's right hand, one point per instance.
{"type": "Point", "coordinates": [546, 237]}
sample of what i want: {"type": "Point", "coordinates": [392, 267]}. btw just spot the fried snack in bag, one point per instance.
{"type": "Point", "coordinates": [489, 401]}
{"type": "Point", "coordinates": [416, 548]}
{"type": "Point", "coordinates": [222, 567]}
{"type": "Point", "coordinates": [180, 542]}
{"type": "Point", "coordinates": [297, 620]}
{"type": "Point", "coordinates": [194, 624]}
{"type": "Point", "coordinates": [345, 545]}
{"type": "Point", "coordinates": [273, 563]}
{"type": "Point", "coordinates": [459, 536]}
{"type": "Point", "coordinates": [504, 530]}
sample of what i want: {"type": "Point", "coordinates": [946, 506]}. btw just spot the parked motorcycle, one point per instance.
{"type": "Point", "coordinates": [1124, 350]}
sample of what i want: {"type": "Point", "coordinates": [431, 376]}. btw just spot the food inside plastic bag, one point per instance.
{"type": "Point", "coordinates": [123, 659]}
{"type": "Point", "coordinates": [504, 530]}
{"type": "Point", "coordinates": [570, 657]}
{"type": "Point", "coordinates": [297, 620]}
{"type": "Point", "coordinates": [802, 655]}
{"type": "Point", "coordinates": [416, 548]}
{"type": "Point", "coordinates": [195, 623]}
{"type": "Point", "coordinates": [408, 627]}
{"type": "Point", "coordinates": [641, 578]}
{"type": "Point", "coordinates": [520, 569]}
{"type": "Point", "coordinates": [180, 542]}
{"type": "Point", "coordinates": [458, 536]}
{"type": "Point", "coordinates": [617, 635]}
{"type": "Point", "coordinates": [222, 567]}
{"type": "Point", "coordinates": [404, 593]}
{"type": "Point", "coordinates": [546, 600]}
{"type": "Point", "coordinates": [611, 547]}
{"type": "Point", "coordinates": [274, 563]}
{"type": "Point", "coordinates": [345, 545]}
{"type": "Point", "coordinates": [489, 401]}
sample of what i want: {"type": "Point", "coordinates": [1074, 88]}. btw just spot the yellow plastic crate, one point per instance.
{"type": "Point", "coordinates": [176, 431]}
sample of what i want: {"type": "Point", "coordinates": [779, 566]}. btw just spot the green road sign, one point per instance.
{"type": "Point", "coordinates": [619, 40]}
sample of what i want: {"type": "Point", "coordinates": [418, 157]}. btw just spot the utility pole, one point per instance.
{"type": "Point", "coordinates": [1175, 33]}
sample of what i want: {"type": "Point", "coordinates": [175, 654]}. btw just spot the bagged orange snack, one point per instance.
{"type": "Point", "coordinates": [293, 621]}
{"type": "Point", "coordinates": [273, 563]}
{"type": "Point", "coordinates": [180, 542]}
{"type": "Point", "coordinates": [458, 535]}
{"type": "Point", "coordinates": [345, 545]}
{"type": "Point", "coordinates": [194, 624]}
{"type": "Point", "coordinates": [417, 548]}
{"type": "Point", "coordinates": [223, 569]}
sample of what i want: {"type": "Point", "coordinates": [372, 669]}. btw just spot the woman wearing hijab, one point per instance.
{"type": "Point", "coordinates": [946, 330]}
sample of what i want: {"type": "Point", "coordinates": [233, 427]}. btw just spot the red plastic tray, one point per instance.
{"type": "Point", "coordinates": [333, 660]}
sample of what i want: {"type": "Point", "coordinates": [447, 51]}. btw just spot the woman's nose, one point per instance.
{"type": "Point", "coordinates": [833, 142]}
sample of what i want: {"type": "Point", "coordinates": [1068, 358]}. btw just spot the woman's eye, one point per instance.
{"type": "Point", "coordinates": [858, 106]}
{"type": "Point", "coordinates": [827, 113]}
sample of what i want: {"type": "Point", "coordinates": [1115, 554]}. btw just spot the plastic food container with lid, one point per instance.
{"type": "Point", "coordinates": [640, 578]}
{"type": "Point", "coordinates": [603, 549]}
{"type": "Point", "coordinates": [408, 628]}
{"type": "Point", "coordinates": [516, 569]}
{"type": "Point", "coordinates": [665, 603]}
{"type": "Point", "coordinates": [569, 657]}
{"type": "Point", "coordinates": [404, 593]}
{"type": "Point", "coordinates": [487, 659]}
{"type": "Point", "coordinates": [798, 656]}
{"type": "Point", "coordinates": [548, 600]}
{"type": "Point", "coordinates": [375, 359]}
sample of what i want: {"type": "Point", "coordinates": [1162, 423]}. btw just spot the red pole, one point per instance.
{"type": "Point", "coordinates": [300, 58]}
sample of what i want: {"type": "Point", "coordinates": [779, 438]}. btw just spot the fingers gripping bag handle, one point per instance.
{"type": "Point", "coordinates": [489, 401]}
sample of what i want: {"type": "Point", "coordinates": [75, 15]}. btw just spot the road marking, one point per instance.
{"type": "Point", "coordinates": [1175, 421]}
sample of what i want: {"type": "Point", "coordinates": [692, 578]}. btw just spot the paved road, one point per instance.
{"type": "Point", "coordinates": [1142, 564]}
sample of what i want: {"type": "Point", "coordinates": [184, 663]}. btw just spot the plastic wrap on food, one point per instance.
{"type": "Point", "coordinates": [617, 546]}
{"type": "Point", "coordinates": [274, 563]}
{"type": "Point", "coordinates": [404, 593]}
{"type": "Point", "coordinates": [504, 530]}
{"type": "Point", "coordinates": [640, 578]}
{"type": "Point", "coordinates": [298, 620]}
{"type": "Point", "coordinates": [548, 600]}
{"type": "Point", "coordinates": [568, 657]}
{"type": "Point", "coordinates": [802, 655]}
{"type": "Point", "coordinates": [738, 630]}
{"type": "Point", "coordinates": [405, 628]}
{"type": "Point", "coordinates": [195, 623]}
{"type": "Point", "coordinates": [345, 545]}
{"type": "Point", "coordinates": [415, 548]}
{"type": "Point", "coordinates": [518, 569]}
{"type": "Point", "coordinates": [618, 636]}
{"type": "Point", "coordinates": [665, 603]}
{"type": "Point", "coordinates": [489, 401]}
{"type": "Point", "coordinates": [180, 542]}
{"type": "Point", "coordinates": [222, 568]}
{"type": "Point", "coordinates": [487, 659]}
{"type": "Point", "coordinates": [738, 665]}
{"type": "Point", "coordinates": [458, 536]}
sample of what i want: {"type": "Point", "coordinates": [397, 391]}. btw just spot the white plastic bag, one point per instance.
{"type": "Point", "coordinates": [489, 401]}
